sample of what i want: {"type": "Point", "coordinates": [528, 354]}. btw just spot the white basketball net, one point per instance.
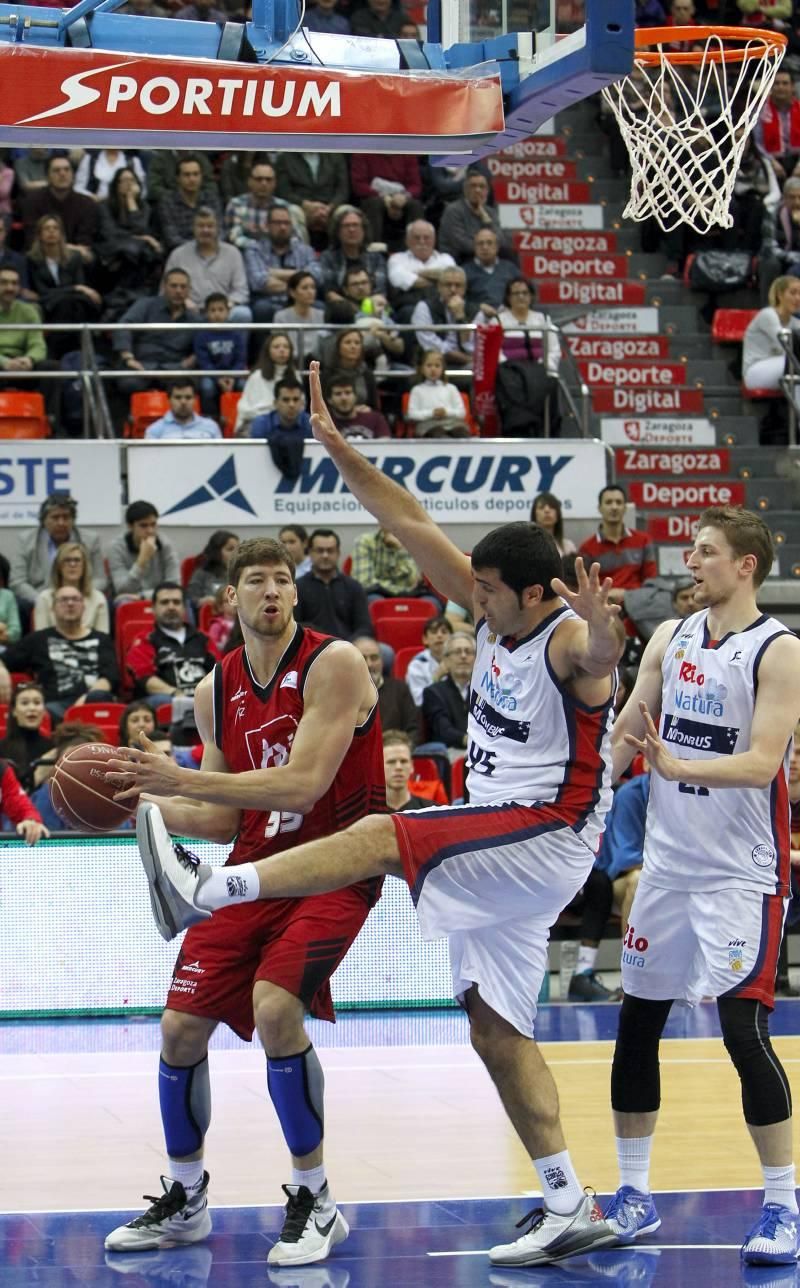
{"type": "Point", "coordinates": [686, 126]}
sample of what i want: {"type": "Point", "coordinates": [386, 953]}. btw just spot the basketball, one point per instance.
{"type": "Point", "coordinates": [80, 793]}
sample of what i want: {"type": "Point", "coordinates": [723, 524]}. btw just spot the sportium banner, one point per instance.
{"type": "Point", "coordinates": [485, 481]}
{"type": "Point", "coordinates": [54, 96]}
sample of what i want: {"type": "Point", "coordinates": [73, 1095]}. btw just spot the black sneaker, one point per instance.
{"type": "Point", "coordinates": [313, 1225]}
{"type": "Point", "coordinates": [174, 1217]}
{"type": "Point", "coordinates": [587, 987]}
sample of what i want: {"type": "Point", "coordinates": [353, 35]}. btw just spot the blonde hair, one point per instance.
{"type": "Point", "coordinates": [777, 289]}
{"type": "Point", "coordinates": [56, 573]}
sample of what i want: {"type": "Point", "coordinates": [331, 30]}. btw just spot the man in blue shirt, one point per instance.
{"type": "Point", "coordinates": [181, 423]}
{"type": "Point", "coordinates": [286, 428]}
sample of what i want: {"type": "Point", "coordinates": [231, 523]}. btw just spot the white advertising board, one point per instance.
{"type": "Point", "coordinates": [30, 469]}
{"type": "Point", "coordinates": [622, 431]}
{"type": "Point", "coordinates": [581, 217]}
{"type": "Point", "coordinates": [486, 481]}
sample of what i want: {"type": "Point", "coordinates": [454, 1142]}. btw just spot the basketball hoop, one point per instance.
{"type": "Point", "coordinates": [685, 115]}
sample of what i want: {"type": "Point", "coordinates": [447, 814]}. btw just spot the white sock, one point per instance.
{"type": "Point", "coordinates": [224, 886]}
{"type": "Point", "coordinates": [189, 1174]}
{"type": "Point", "coordinates": [633, 1156]}
{"type": "Point", "coordinates": [313, 1179]}
{"type": "Point", "coordinates": [558, 1183]}
{"type": "Point", "coordinates": [586, 959]}
{"type": "Point", "coordinates": [779, 1186]}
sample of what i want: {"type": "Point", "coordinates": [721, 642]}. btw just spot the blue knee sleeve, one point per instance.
{"type": "Point", "coordinates": [296, 1086]}
{"type": "Point", "coordinates": [185, 1098]}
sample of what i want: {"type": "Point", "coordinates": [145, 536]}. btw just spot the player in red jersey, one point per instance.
{"type": "Point", "coordinates": [292, 751]}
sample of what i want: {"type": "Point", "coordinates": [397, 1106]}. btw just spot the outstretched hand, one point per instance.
{"type": "Point", "coordinates": [591, 600]}
{"type": "Point", "coordinates": [143, 769]}
{"type": "Point", "coordinates": [654, 750]}
{"type": "Point", "coordinates": [322, 425]}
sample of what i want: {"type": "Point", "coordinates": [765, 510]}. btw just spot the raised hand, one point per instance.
{"type": "Point", "coordinates": [322, 425]}
{"type": "Point", "coordinates": [134, 770]}
{"type": "Point", "coordinates": [591, 600]}
{"type": "Point", "coordinates": [661, 761]}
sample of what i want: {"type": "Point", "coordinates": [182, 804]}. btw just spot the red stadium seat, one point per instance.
{"type": "Point", "coordinates": [403, 429]}
{"type": "Point", "coordinates": [347, 565]}
{"type": "Point", "coordinates": [227, 411]}
{"type": "Point", "coordinates": [205, 617]}
{"type": "Point", "coordinates": [729, 325]}
{"type": "Point", "coordinates": [401, 660]}
{"type": "Point", "coordinates": [188, 566]}
{"type": "Point", "coordinates": [457, 778]}
{"type": "Point", "coordinates": [137, 613]}
{"type": "Point", "coordinates": [105, 715]}
{"type": "Point", "coordinates": [399, 606]}
{"type": "Point", "coordinates": [400, 632]}
{"type": "Point", "coordinates": [146, 407]}
{"type": "Point", "coordinates": [22, 415]}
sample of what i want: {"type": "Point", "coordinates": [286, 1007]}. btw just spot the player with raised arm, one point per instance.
{"type": "Point", "coordinates": [492, 875]}
{"type": "Point", "coordinates": [292, 750]}
{"type": "Point", "coordinates": [713, 710]}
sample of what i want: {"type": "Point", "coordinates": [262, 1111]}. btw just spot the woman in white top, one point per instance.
{"type": "Point", "coordinates": [72, 567]}
{"type": "Point", "coordinates": [302, 291]}
{"type": "Point", "coordinates": [546, 513]}
{"type": "Point", "coordinates": [275, 361]}
{"type": "Point", "coordinates": [763, 357]}
{"type": "Point", "coordinates": [435, 407]}
{"type": "Point", "coordinates": [528, 333]}
{"type": "Point", "coordinates": [97, 168]}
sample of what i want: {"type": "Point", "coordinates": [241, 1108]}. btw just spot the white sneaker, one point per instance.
{"type": "Point", "coordinates": [313, 1225]}
{"type": "Point", "coordinates": [774, 1239]}
{"type": "Point", "coordinates": [173, 873]}
{"type": "Point", "coordinates": [552, 1236]}
{"type": "Point", "coordinates": [173, 1218]}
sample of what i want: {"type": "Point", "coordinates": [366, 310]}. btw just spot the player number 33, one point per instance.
{"type": "Point", "coordinates": [282, 821]}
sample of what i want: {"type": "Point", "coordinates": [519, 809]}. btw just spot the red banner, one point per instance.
{"type": "Point", "coordinates": [682, 496]}
{"type": "Point", "coordinates": [653, 375]}
{"type": "Point", "coordinates": [673, 527]}
{"type": "Point", "coordinates": [90, 96]}
{"type": "Point", "coordinates": [541, 264]}
{"type": "Point", "coordinates": [538, 192]}
{"type": "Point", "coordinates": [672, 461]}
{"type": "Point", "coordinates": [555, 291]}
{"type": "Point", "coordinates": [541, 146]}
{"type": "Point", "coordinates": [644, 401]}
{"type": "Point", "coordinates": [488, 343]}
{"type": "Point", "coordinates": [565, 242]}
{"type": "Point", "coordinates": [502, 168]}
{"type": "Point", "coordinates": [619, 347]}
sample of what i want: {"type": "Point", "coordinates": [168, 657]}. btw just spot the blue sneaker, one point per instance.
{"type": "Point", "coordinates": [631, 1214]}
{"type": "Point", "coordinates": [773, 1239]}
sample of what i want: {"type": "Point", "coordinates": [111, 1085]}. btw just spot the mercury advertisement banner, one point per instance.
{"type": "Point", "coordinates": [30, 470]}
{"type": "Point", "coordinates": [489, 481]}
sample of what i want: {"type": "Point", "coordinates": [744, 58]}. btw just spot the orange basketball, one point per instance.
{"type": "Point", "coordinates": [80, 793]}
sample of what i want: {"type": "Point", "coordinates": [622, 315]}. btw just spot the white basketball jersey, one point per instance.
{"type": "Point", "coordinates": [529, 740]}
{"type": "Point", "coordinates": [701, 838]}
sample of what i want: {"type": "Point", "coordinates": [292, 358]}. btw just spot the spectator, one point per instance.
{"type": "Point", "coordinates": [445, 183]}
{"type": "Point", "coordinates": [446, 307]}
{"type": "Point", "coordinates": [398, 766]}
{"type": "Point", "coordinates": [162, 350]}
{"type": "Point", "coordinates": [777, 132]}
{"type": "Point", "coordinates": [202, 11]}
{"type": "Point", "coordinates": [423, 669]}
{"type": "Point", "coordinates": [322, 16]}
{"type": "Point", "coordinates": [780, 237]}
{"type": "Point", "coordinates": [763, 355]}
{"type": "Point", "coordinates": [71, 567]}
{"type": "Point", "coordinates": [301, 288]}
{"type": "Point", "coordinates": [178, 206]}
{"type": "Point", "coordinates": [246, 215]}
{"type": "Point", "coordinates": [77, 213]}
{"type": "Point", "coordinates": [222, 350]}
{"type": "Point", "coordinates": [7, 181]}
{"type": "Point", "coordinates": [174, 657]}
{"type": "Point", "coordinates": [383, 566]}
{"type": "Point", "coordinates": [272, 261]}
{"type": "Point", "coordinates": [18, 808]}
{"type": "Point", "coordinates": [10, 627]}
{"type": "Point", "coordinates": [347, 358]}
{"type": "Point", "coordinates": [414, 271]}
{"type": "Point", "coordinates": [24, 741]}
{"type": "Point", "coordinates": [128, 251]}
{"type": "Point", "coordinates": [487, 275]}
{"type": "Point", "coordinates": [624, 554]}
{"type": "Point", "coordinates": [467, 215]}
{"type": "Point", "coordinates": [295, 538]}
{"type": "Point", "coordinates": [57, 277]}
{"type": "Point", "coordinates": [318, 182]}
{"type": "Point", "coordinates": [13, 259]}
{"type": "Point", "coordinates": [30, 169]}
{"type": "Point", "coordinates": [527, 331]}
{"type": "Point", "coordinates": [347, 248]}
{"type": "Point", "coordinates": [24, 350]}
{"type": "Point", "coordinates": [546, 514]}
{"type": "Point", "coordinates": [435, 407]}
{"type": "Point", "coordinates": [382, 343]}
{"type": "Point", "coordinates": [445, 703]}
{"type": "Point", "coordinates": [755, 191]}
{"type": "Point", "coordinates": [286, 428]}
{"type": "Point", "coordinates": [327, 599]}
{"type": "Point", "coordinates": [389, 188]}
{"type": "Point", "coordinates": [377, 18]}
{"type": "Point", "coordinates": [182, 423]}
{"type": "Point", "coordinates": [138, 717]}
{"type": "Point", "coordinates": [162, 174]}
{"type": "Point", "coordinates": [210, 573]}
{"type": "Point", "coordinates": [351, 420]}
{"type": "Point", "coordinates": [683, 598]}
{"type": "Point", "coordinates": [212, 266]}
{"type": "Point", "coordinates": [37, 548]}
{"type": "Point", "coordinates": [275, 361]}
{"type": "Point", "coordinates": [73, 663]}
{"type": "Point", "coordinates": [222, 623]}
{"type": "Point", "coordinates": [97, 168]}
{"type": "Point", "coordinates": [65, 737]}
{"type": "Point", "coordinates": [395, 703]}
{"type": "Point", "coordinates": [140, 559]}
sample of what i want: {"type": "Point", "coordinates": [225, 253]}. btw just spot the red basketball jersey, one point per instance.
{"type": "Point", "coordinates": [254, 728]}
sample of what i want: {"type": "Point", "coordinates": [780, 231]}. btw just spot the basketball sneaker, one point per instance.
{"type": "Point", "coordinates": [773, 1239]}
{"type": "Point", "coordinates": [312, 1226]}
{"type": "Point", "coordinates": [177, 1267]}
{"type": "Point", "coordinates": [631, 1214]}
{"type": "Point", "coordinates": [174, 1217]}
{"type": "Point", "coordinates": [553, 1236]}
{"type": "Point", "coordinates": [588, 987]}
{"type": "Point", "coordinates": [173, 873]}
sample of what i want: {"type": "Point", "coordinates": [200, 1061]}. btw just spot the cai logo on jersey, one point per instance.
{"type": "Point", "coordinates": [499, 689]}
{"type": "Point", "coordinates": [703, 694]}
{"type": "Point", "coordinates": [719, 739]}
{"type": "Point", "coordinates": [269, 745]}
{"type": "Point", "coordinates": [494, 723]}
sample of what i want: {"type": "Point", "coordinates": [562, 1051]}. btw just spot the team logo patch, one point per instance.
{"type": "Point", "coordinates": [763, 856]}
{"type": "Point", "coordinates": [680, 654]}
{"type": "Point", "coordinates": [736, 959]}
{"type": "Point", "coordinates": [289, 680]}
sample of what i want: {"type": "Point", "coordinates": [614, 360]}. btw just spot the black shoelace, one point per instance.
{"type": "Point", "coordinates": [299, 1207]}
{"type": "Point", "coordinates": [163, 1205]}
{"type": "Point", "coordinates": [536, 1217]}
{"type": "Point", "coordinates": [186, 858]}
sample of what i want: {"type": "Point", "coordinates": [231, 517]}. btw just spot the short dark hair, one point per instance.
{"type": "Point", "coordinates": [287, 382]}
{"type": "Point", "coordinates": [746, 534]}
{"type": "Point", "coordinates": [215, 297]}
{"type": "Point", "coordinates": [612, 487]}
{"type": "Point", "coordinates": [294, 281]}
{"type": "Point", "coordinates": [337, 379]}
{"type": "Point", "coordinates": [138, 510]}
{"type": "Point", "coordinates": [205, 212]}
{"type": "Point", "coordinates": [180, 382]}
{"type": "Point", "coordinates": [191, 159]}
{"type": "Point", "coordinates": [58, 501]}
{"type": "Point", "coordinates": [297, 528]}
{"type": "Point", "coordinates": [523, 555]}
{"type": "Point", "coordinates": [325, 532]}
{"type": "Point", "coordinates": [177, 272]}
{"type": "Point", "coordinates": [433, 623]}
{"type": "Point", "coordinates": [168, 585]}
{"type": "Point", "coordinates": [258, 550]}
{"type": "Point", "coordinates": [59, 156]}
